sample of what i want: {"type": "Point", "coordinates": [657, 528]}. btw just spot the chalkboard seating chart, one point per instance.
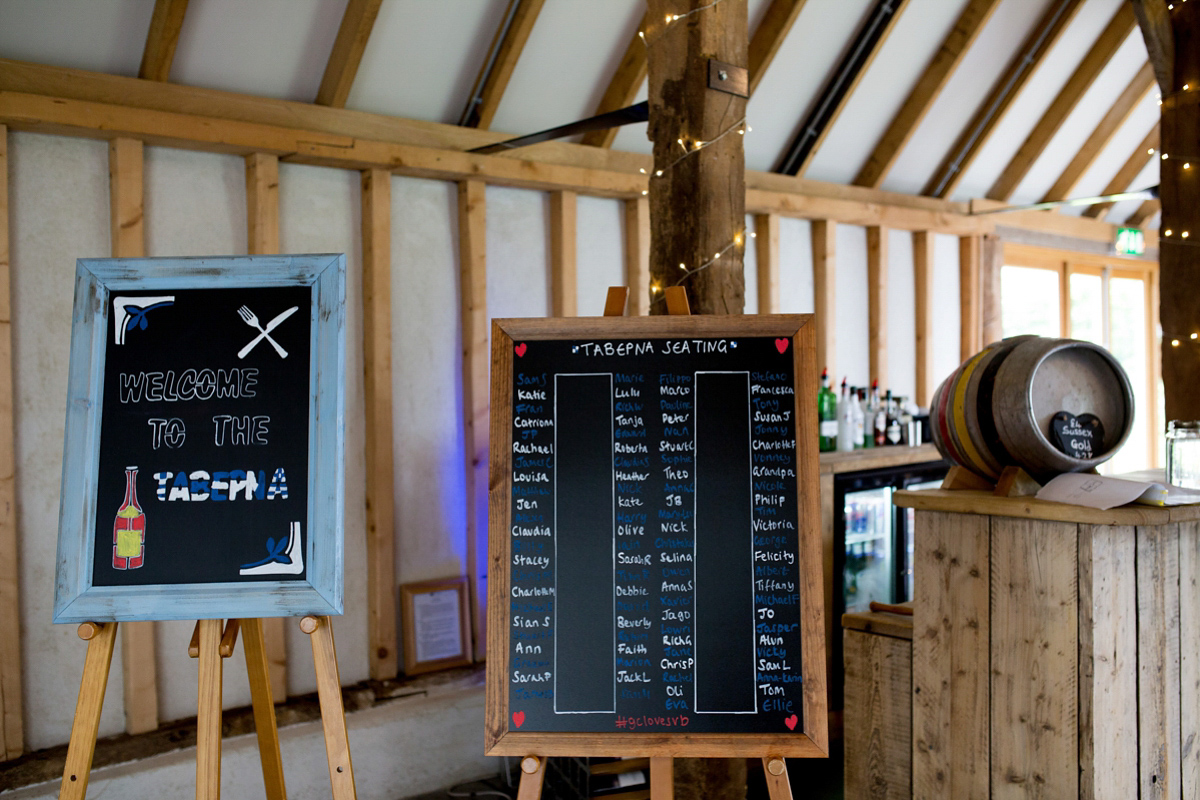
{"type": "Point", "coordinates": [653, 519]}
{"type": "Point", "coordinates": [203, 455]}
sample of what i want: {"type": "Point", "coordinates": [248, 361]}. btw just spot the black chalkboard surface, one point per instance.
{"type": "Point", "coordinates": [203, 455]}
{"type": "Point", "coordinates": [654, 523]}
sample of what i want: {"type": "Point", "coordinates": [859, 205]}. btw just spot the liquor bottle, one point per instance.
{"type": "Point", "coordinates": [827, 414]}
{"type": "Point", "coordinates": [845, 434]}
{"type": "Point", "coordinates": [880, 417]}
{"type": "Point", "coordinates": [868, 420]}
{"type": "Point", "coordinates": [893, 420]}
{"type": "Point", "coordinates": [129, 529]}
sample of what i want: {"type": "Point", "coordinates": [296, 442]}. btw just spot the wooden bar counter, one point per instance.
{"type": "Point", "coordinates": [1056, 649]}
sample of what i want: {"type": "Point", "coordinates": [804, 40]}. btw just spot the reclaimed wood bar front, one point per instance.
{"type": "Point", "coordinates": [1055, 649]}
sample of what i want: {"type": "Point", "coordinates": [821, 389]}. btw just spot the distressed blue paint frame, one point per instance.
{"type": "Point", "coordinates": [75, 598]}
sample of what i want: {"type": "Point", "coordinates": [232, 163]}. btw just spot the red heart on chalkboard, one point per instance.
{"type": "Point", "coordinates": [520, 349]}
{"type": "Point", "coordinates": [781, 345]}
{"type": "Point", "coordinates": [791, 722]}
{"type": "Point", "coordinates": [519, 716]}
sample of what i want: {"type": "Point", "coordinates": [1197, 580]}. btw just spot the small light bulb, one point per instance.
{"type": "Point", "coordinates": [1150, 152]}
{"type": "Point", "coordinates": [1163, 156]}
{"type": "Point", "coordinates": [658, 172]}
{"type": "Point", "coordinates": [669, 19]}
{"type": "Point", "coordinates": [1196, 335]}
{"type": "Point", "coordinates": [753, 235]}
{"type": "Point", "coordinates": [1185, 87]}
{"type": "Point", "coordinates": [1167, 232]}
{"type": "Point", "coordinates": [749, 129]}
{"type": "Point", "coordinates": [741, 132]}
{"type": "Point", "coordinates": [1174, 343]}
{"type": "Point", "coordinates": [1170, 6]}
{"type": "Point", "coordinates": [696, 145]}
{"type": "Point", "coordinates": [1187, 165]}
{"type": "Point", "coordinates": [681, 266]}
{"type": "Point", "coordinates": [645, 192]}
{"type": "Point", "coordinates": [654, 289]}
{"type": "Point", "coordinates": [1184, 234]}
{"type": "Point", "coordinates": [716, 256]}
{"type": "Point", "coordinates": [642, 170]}
{"type": "Point", "coordinates": [642, 34]}
{"type": "Point", "coordinates": [737, 238]}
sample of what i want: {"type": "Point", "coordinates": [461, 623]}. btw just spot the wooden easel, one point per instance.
{"type": "Point", "coordinates": [662, 768]}
{"type": "Point", "coordinates": [210, 644]}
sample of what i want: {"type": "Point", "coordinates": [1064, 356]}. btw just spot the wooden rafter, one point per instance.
{"type": "Point", "coordinates": [1111, 38]}
{"type": "Point", "coordinates": [1108, 125]}
{"type": "Point", "coordinates": [623, 88]}
{"type": "Point", "coordinates": [1128, 171]}
{"type": "Point", "coordinates": [970, 22]}
{"type": "Point", "coordinates": [1024, 63]}
{"type": "Point", "coordinates": [347, 52]}
{"type": "Point", "coordinates": [1155, 21]}
{"type": "Point", "coordinates": [769, 35]}
{"type": "Point", "coordinates": [828, 105]}
{"type": "Point", "coordinates": [502, 60]}
{"type": "Point", "coordinates": [1144, 212]}
{"type": "Point", "coordinates": [161, 38]}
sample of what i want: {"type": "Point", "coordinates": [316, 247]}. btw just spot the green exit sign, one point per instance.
{"type": "Point", "coordinates": [1130, 242]}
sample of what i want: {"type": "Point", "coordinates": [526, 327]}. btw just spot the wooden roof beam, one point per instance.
{"type": "Point", "coordinates": [828, 105]}
{"type": "Point", "coordinates": [1145, 211]}
{"type": "Point", "coordinates": [347, 52]}
{"type": "Point", "coordinates": [1154, 20]}
{"type": "Point", "coordinates": [161, 38]}
{"type": "Point", "coordinates": [769, 35]}
{"type": "Point", "coordinates": [501, 61]}
{"type": "Point", "coordinates": [968, 25]}
{"type": "Point", "coordinates": [1128, 171]}
{"type": "Point", "coordinates": [1041, 38]}
{"type": "Point", "coordinates": [1111, 38]}
{"type": "Point", "coordinates": [623, 88]}
{"type": "Point", "coordinates": [1137, 89]}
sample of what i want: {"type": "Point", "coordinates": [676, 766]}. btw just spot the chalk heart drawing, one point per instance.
{"type": "Point", "coordinates": [519, 716]}
{"type": "Point", "coordinates": [781, 345]}
{"type": "Point", "coordinates": [519, 349]}
{"type": "Point", "coordinates": [791, 722]}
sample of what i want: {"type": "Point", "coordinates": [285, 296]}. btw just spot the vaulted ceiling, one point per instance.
{"type": "Point", "coordinates": [1017, 100]}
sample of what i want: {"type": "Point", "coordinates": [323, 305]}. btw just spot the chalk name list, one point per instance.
{"type": "Point", "coordinates": [654, 572]}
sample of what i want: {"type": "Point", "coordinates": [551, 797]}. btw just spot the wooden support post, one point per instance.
{"type": "Point", "coordinates": [12, 733]}
{"type": "Point", "coordinates": [208, 712]}
{"type": "Point", "coordinates": [563, 228]}
{"type": "Point", "coordinates": [265, 724]}
{"type": "Point", "coordinates": [923, 289]}
{"type": "Point", "coordinates": [637, 254]}
{"type": "Point", "coordinates": [697, 206]}
{"type": "Point", "coordinates": [333, 712]}
{"type": "Point", "coordinates": [877, 279]}
{"type": "Point", "coordinates": [377, 389]}
{"type": "Point", "coordinates": [968, 289]}
{"type": "Point", "coordinates": [101, 637]}
{"type": "Point", "coordinates": [824, 247]}
{"type": "Point", "coordinates": [262, 238]}
{"type": "Point", "coordinates": [991, 259]}
{"type": "Point", "coordinates": [125, 188]}
{"type": "Point", "coordinates": [1179, 193]}
{"type": "Point", "coordinates": [766, 254]}
{"type": "Point", "coordinates": [472, 246]}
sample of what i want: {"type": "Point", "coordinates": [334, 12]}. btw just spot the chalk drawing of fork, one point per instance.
{"type": "Point", "coordinates": [251, 319]}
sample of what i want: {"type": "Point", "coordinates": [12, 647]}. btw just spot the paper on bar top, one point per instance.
{"type": "Point", "coordinates": [1102, 492]}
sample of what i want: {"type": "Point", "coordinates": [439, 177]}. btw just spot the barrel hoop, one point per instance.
{"type": "Point", "coordinates": [960, 421]}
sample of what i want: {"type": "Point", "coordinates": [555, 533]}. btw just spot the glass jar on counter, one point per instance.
{"type": "Point", "coordinates": [1183, 453]}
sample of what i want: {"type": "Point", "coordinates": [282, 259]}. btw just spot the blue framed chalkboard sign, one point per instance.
{"type": "Point", "coordinates": [654, 538]}
{"type": "Point", "coordinates": [203, 457]}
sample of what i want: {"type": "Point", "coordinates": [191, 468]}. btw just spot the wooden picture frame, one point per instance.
{"type": "Point", "coordinates": [413, 619]}
{"type": "Point", "coordinates": [316, 586]}
{"type": "Point", "coordinates": [510, 340]}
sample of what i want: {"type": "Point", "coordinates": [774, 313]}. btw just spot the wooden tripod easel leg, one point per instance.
{"type": "Point", "coordinates": [333, 713]}
{"type": "Point", "coordinates": [100, 638]}
{"type": "Point", "coordinates": [778, 786]}
{"type": "Point", "coordinates": [662, 778]}
{"type": "Point", "coordinates": [258, 671]}
{"type": "Point", "coordinates": [533, 772]}
{"type": "Point", "coordinates": [208, 712]}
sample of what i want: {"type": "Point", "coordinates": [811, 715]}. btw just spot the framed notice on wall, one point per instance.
{"type": "Point", "coordinates": [203, 461]}
{"type": "Point", "coordinates": [656, 581]}
{"type": "Point", "coordinates": [433, 616]}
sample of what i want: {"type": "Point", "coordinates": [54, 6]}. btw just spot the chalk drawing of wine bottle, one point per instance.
{"type": "Point", "coordinates": [129, 529]}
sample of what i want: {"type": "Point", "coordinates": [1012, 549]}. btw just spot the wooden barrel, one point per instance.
{"type": "Point", "coordinates": [1042, 378]}
{"type": "Point", "coordinates": [980, 420]}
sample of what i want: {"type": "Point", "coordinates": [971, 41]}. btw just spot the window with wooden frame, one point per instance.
{"type": "Point", "coordinates": [1108, 300]}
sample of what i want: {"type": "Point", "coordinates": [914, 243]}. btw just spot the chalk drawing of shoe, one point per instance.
{"type": "Point", "coordinates": [284, 557]}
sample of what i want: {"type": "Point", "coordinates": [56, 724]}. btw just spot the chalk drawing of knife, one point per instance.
{"type": "Point", "coordinates": [272, 325]}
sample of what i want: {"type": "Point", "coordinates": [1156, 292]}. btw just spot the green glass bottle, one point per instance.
{"type": "Point", "coordinates": [827, 414]}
